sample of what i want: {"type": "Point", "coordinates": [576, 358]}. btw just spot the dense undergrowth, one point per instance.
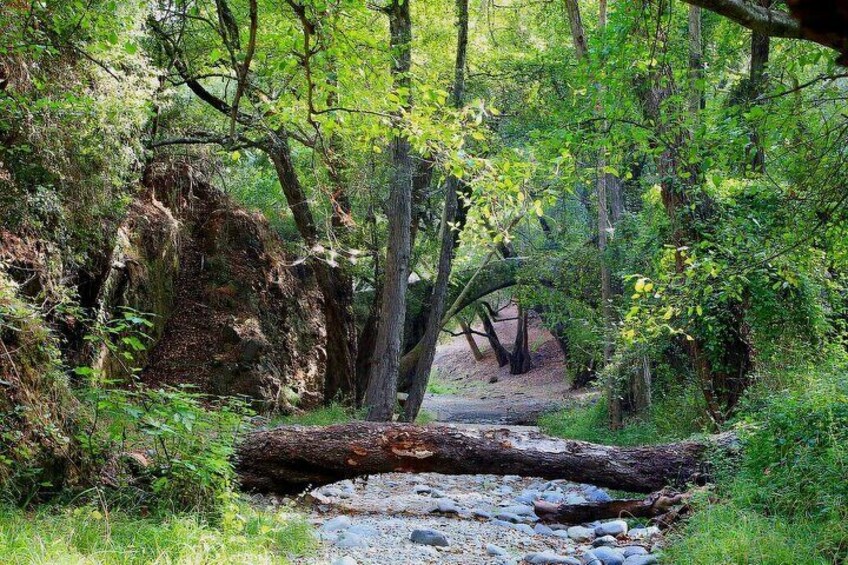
{"type": "Point", "coordinates": [786, 500]}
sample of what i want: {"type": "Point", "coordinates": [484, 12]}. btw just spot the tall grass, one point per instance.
{"type": "Point", "coordinates": [87, 535]}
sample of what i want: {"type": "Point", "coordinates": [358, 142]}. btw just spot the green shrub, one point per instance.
{"type": "Point", "coordinates": [176, 445]}
{"type": "Point", "coordinates": [324, 416]}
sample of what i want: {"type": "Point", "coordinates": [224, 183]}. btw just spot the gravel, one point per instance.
{"type": "Point", "coordinates": [374, 521]}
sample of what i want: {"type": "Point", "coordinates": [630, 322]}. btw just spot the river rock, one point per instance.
{"type": "Point", "coordinates": [609, 556]}
{"type": "Point", "coordinates": [581, 534]}
{"type": "Point", "coordinates": [631, 550]}
{"type": "Point", "coordinates": [608, 541]}
{"type": "Point", "coordinates": [543, 530]}
{"type": "Point", "coordinates": [527, 496]}
{"type": "Point", "coordinates": [348, 540]}
{"type": "Point", "coordinates": [422, 489]}
{"type": "Point", "coordinates": [346, 560]}
{"type": "Point", "coordinates": [613, 528]}
{"type": "Point", "coordinates": [429, 537]}
{"type": "Point", "coordinates": [495, 550]}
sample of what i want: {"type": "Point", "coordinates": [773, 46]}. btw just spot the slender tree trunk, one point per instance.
{"type": "Point", "coordinates": [696, 61]}
{"type": "Point", "coordinates": [760, 46]}
{"type": "Point", "coordinates": [440, 288]}
{"type": "Point", "coordinates": [335, 284]}
{"type": "Point", "coordinates": [519, 360]}
{"type": "Point", "coordinates": [380, 396]}
{"type": "Point", "coordinates": [501, 354]}
{"type": "Point", "coordinates": [472, 343]}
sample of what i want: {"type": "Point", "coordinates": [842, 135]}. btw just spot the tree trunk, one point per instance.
{"type": "Point", "coordinates": [501, 354]}
{"type": "Point", "coordinates": [290, 458]}
{"type": "Point", "coordinates": [472, 344]}
{"type": "Point", "coordinates": [656, 504]}
{"type": "Point", "coordinates": [421, 376]}
{"type": "Point", "coordinates": [336, 285]}
{"type": "Point", "coordinates": [380, 396]}
{"type": "Point", "coordinates": [520, 361]}
{"type": "Point", "coordinates": [759, 59]}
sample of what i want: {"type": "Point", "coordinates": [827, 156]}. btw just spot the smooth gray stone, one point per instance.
{"type": "Point", "coordinates": [436, 493]}
{"type": "Point", "coordinates": [562, 534]}
{"type": "Point", "coordinates": [613, 528]}
{"type": "Point", "coordinates": [446, 506]}
{"type": "Point", "coordinates": [641, 560]}
{"type": "Point", "coordinates": [550, 558]}
{"type": "Point", "coordinates": [589, 558]}
{"type": "Point", "coordinates": [579, 533]}
{"type": "Point", "coordinates": [422, 489]}
{"type": "Point", "coordinates": [520, 509]}
{"type": "Point", "coordinates": [495, 550]}
{"type": "Point", "coordinates": [608, 541]}
{"type": "Point", "coordinates": [523, 528]}
{"type": "Point", "coordinates": [630, 550]}
{"type": "Point", "coordinates": [346, 560]}
{"type": "Point", "coordinates": [336, 524]}
{"type": "Point", "coordinates": [509, 517]}
{"type": "Point", "coordinates": [543, 530]}
{"type": "Point", "coordinates": [595, 494]}
{"type": "Point", "coordinates": [428, 537]}
{"type": "Point", "coordinates": [480, 513]}
{"type": "Point", "coordinates": [609, 556]}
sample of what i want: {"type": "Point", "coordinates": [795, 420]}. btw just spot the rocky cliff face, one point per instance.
{"type": "Point", "coordinates": [231, 316]}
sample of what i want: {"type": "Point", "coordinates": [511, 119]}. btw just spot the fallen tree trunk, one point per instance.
{"type": "Point", "coordinates": [290, 458]}
{"type": "Point", "coordinates": [657, 504]}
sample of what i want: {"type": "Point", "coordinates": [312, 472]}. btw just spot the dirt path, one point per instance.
{"type": "Point", "coordinates": [399, 519]}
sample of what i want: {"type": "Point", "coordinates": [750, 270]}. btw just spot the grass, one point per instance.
{"type": "Point", "coordinates": [437, 386]}
{"type": "Point", "coordinates": [727, 534]}
{"type": "Point", "coordinates": [84, 535]}
{"type": "Point", "coordinates": [590, 422]}
{"type": "Point", "coordinates": [323, 416]}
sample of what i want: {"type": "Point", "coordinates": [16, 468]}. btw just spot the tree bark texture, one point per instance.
{"type": "Point", "coordinates": [472, 344]}
{"type": "Point", "coordinates": [520, 361]}
{"type": "Point", "coordinates": [380, 396]}
{"type": "Point", "coordinates": [290, 458]}
{"type": "Point", "coordinates": [501, 354]}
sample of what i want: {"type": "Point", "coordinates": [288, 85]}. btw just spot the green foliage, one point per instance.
{"type": "Point", "coordinates": [589, 421]}
{"type": "Point", "coordinates": [181, 444]}
{"type": "Point", "coordinates": [324, 416]}
{"type": "Point", "coordinates": [786, 502]}
{"type": "Point", "coordinates": [731, 534]}
{"type": "Point", "coordinates": [93, 535]}
{"type": "Point", "coordinates": [435, 385]}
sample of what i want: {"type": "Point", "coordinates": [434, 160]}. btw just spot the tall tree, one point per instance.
{"type": "Point", "coordinates": [381, 394]}
{"type": "Point", "coordinates": [448, 241]}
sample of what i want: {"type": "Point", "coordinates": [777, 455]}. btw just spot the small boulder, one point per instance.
{"type": "Point", "coordinates": [581, 534]}
{"type": "Point", "coordinates": [609, 556]}
{"type": "Point", "coordinates": [613, 528]}
{"type": "Point", "coordinates": [631, 550]}
{"type": "Point", "coordinates": [429, 537]}
{"type": "Point", "coordinates": [495, 550]}
{"type": "Point", "coordinates": [608, 541]}
{"type": "Point", "coordinates": [543, 530]}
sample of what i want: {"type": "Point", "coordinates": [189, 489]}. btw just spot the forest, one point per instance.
{"type": "Point", "coordinates": [424, 281]}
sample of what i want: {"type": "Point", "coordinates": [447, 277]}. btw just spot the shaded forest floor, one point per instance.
{"type": "Point", "coordinates": [460, 390]}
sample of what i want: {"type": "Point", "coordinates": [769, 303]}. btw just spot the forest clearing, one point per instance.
{"type": "Point", "coordinates": [346, 282]}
